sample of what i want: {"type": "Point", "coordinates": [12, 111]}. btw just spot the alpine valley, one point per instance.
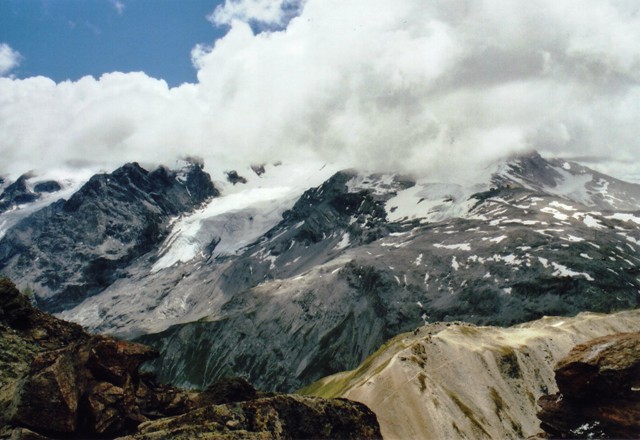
{"type": "Point", "coordinates": [285, 274]}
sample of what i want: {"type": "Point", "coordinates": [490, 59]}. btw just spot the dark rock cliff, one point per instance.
{"type": "Point", "coordinates": [74, 249]}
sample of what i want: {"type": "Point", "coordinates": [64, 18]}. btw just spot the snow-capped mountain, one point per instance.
{"type": "Point", "coordinates": [293, 273]}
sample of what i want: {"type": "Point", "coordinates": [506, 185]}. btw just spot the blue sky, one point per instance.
{"type": "Point", "coordinates": [68, 39]}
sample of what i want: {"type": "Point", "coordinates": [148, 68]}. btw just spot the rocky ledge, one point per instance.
{"type": "Point", "coordinates": [599, 391]}
{"type": "Point", "coordinates": [58, 381]}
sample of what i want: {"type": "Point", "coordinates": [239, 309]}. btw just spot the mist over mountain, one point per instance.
{"type": "Point", "coordinates": [442, 88]}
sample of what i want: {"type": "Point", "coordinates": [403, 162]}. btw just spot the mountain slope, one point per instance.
{"type": "Point", "coordinates": [415, 385]}
{"type": "Point", "coordinates": [74, 249]}
{"type": "Point", "coordinates": [286, 286]}
{"type": "Point", "coordinates": [336, 278]}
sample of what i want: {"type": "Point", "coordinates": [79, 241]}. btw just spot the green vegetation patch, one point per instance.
{"type": "Point", "coordinates": [468, 412]}
{"type": "Point", "coordinates": [336, 386]}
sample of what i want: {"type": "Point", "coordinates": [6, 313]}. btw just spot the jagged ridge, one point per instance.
{"type": "Point", "coordinates": [73, 249]}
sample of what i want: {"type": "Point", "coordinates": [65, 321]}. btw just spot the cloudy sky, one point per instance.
{"type": "Point", "coordinates": [438, 87]}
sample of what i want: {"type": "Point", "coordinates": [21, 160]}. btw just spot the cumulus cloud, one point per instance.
{"type": "Point", "coordinates": [441, 88]}
{"type": "Point", "coordinates": [9, 59]}
{"type": "Point", "coordinates": [265, 12]}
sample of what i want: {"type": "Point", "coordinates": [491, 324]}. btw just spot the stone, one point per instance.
{"type": "Point", "coordinates": [114, 361]}
{"type": "Point", "coordinates": [16, 308]}
{"type": "Point", "coordinates": [48, 400]}
{"type": "Point", "coordinates": [599, 391]}
{"type": "Point", "coordinates": [228, 390]}
{"type": "Point", "coordinates": [278, 417]}
{"type": "Point", "coordinates": [607, 366]}
{"type": "Point", "coordinates": [75, 385]}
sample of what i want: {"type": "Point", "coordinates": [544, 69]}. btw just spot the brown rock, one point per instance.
{"type": "Point", "coordinates": [279, 417]}
{"type": "Point", "coordinates": [74, 385]}
{"type": "Point", "coordinates": [227, 390]}
{"type": "Point", "coordinates": [607, 366]}
{"type": "Point", "coordinates": [16, 308]}
{"type": "Point", "coordinates": [25, 434]}
{"type": "Point", "coordinates": [114, 361]}
{"type": "Point", "coordinates": [49, 397]}
{"type": "Point", "coordinates": [599, 397]}
{"type": "Point", "coordinates": [161, 400]}
{"type": "Point", "coordinates": [112, 409]}
{"type": "Point", "coordinates": [89, 387]}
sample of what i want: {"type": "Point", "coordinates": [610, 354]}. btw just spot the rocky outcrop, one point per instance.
{"type": "Point", "coordinates": [599, 391]}
{"type": "Point", "coordinates": [17, 193]}
{"type": "Point", "coordinates": [234, 178]}
{"type": "Point", "coordinates": [90, 387]}
{"type": "Point", "coordinates": [48, 186]}
{"type": "Point", "coordinates": [69, 384]}
{"type": "Point", "coordinates": [278, 417]}
{"type": "Point", "coordinates": [55, 379]}
{"type": "Point", "coordinates": [76, 248]}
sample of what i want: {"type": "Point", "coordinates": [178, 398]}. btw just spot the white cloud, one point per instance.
{"type": "Point", "coordinates": [438, 87]}
{"type": "Point", "coordinates": [268, 12]}
{"type": "Point", "coordinates": [118, 6]}
{"type": "Point", "coordinates": [9, 59]}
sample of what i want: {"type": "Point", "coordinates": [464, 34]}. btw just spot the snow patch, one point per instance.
{"type": "Point", "coordinates": [344, 242]}
{"type": "Point", "coordinates": [592, 222]}
{"type": "Point", "coordinates": [572, 238]}
{"type": "Point", "coordinates": [625, 217]}
{"type": "Point", "coordinates": [564, 271]}
{"type": "Point", "coordinates": [431, 202]}
{"type": "Point", "coordinates": [556, 204]}
{"type": "Point", "coordinates": [498, 239]}
{"type": "Point", "coordinates": [556, 214]}
{"type": "Point", "coordinates": [454, 263]}
{"type": "Point", "coordinates": [460, 246]}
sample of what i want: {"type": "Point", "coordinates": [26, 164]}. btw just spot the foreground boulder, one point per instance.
{"type": "Point", "coordinates": [599, 391]}
{"type": "Point", "coordinates": [278, 417]}
{"type": "Point", "coordinates": [89, 387]}
{"type": "Point", "coordinates": [56, 381]}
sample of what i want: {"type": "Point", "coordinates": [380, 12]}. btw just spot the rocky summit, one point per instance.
{"type": "Point", "coordinates": [598, 391]}
{"type": "Point", "coordinates": [58, 381]}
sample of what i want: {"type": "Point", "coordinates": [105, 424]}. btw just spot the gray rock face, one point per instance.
{"type": "Point", "coordinates": [17, 193]}
{"type": "Point", "coordinates": [74, 249]}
